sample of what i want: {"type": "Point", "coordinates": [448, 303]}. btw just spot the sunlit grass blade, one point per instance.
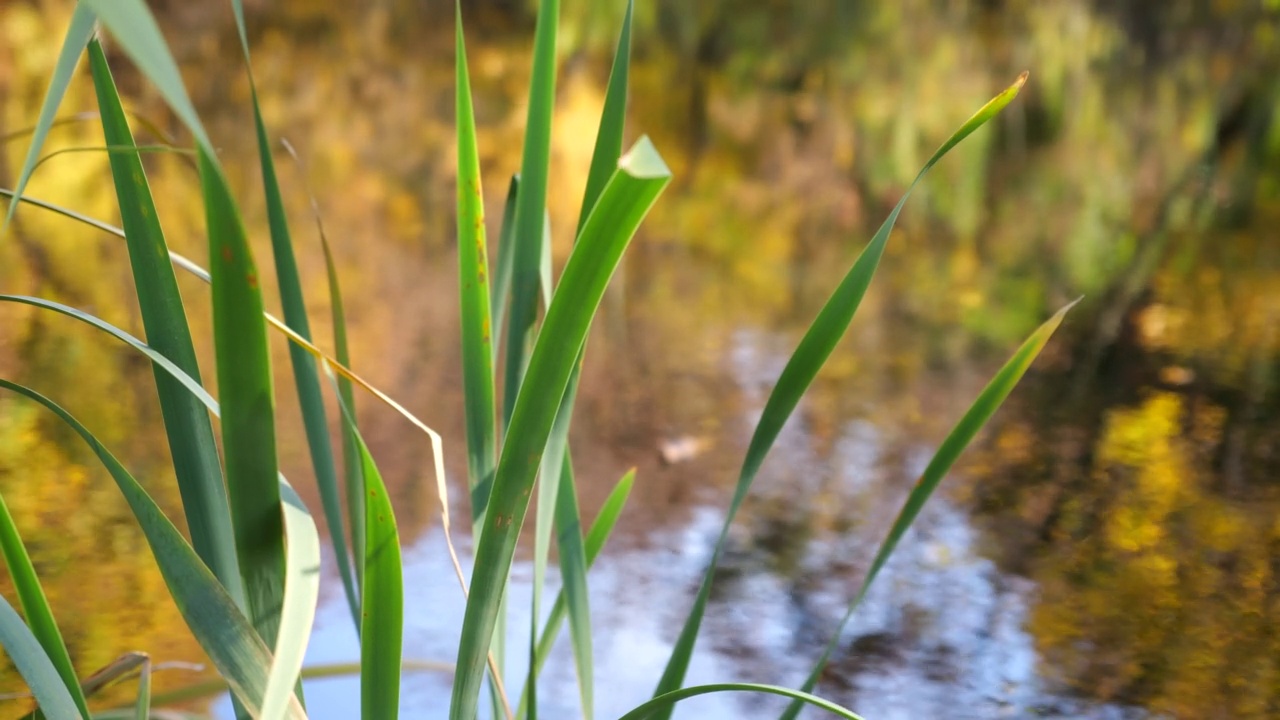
{"type": "Point", "coordinates": [531, 202]}
{"type": "Point", "coordinates": [665, 703]}
{"type": "Point", "coordinates": [217, 624]}
{"type": "Point", "coordinates": [298, 608]}
{"type": "Point", "coordinates": [989, 400]}
{"type": "Point", "coordinates": [814, 349]}
{"type": "Point", "coordinates": [595, 541]}
{"type": "Point", "coordinates": [306, 378]}
{"type": "Point", "coordinates": [381, 596]}
{"type": "Point", "coordinates": [630, 193]}
{"type": "Point", "coordinates": [33, 664]}
{"type": "Point", "coordinates": [187, 425]}
{"type": "Point", "coordinates": [244, 388]}
{"type": "Point", "coordinates": [78, 33]}
{"type": "Point", "coordinates": [613, 118]}
{"type": "Point", "coordinates": [500, 288]}
{"type": "Point", "coordinates": [473, 284]}
{"type": "Point", "coordinates": [35, 606]}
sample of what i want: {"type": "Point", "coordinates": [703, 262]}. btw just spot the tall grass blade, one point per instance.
{"type": "Point", "coordinates": [558, 489]}
{"type": "Point", "coordinates": [36, 606]}
{"type": "Point", "coordinates": [244, 374]}
{"type": "Point", "coordinates": [596, 538]}
{"type": "Point", "coordinates": [190, 434]}
{"type": "Point", "coordinates": [573, 571]}
{"type": "Point", "coordinates": [531, 201]}
{"type": "Point", "coordinates": [33, 664]}
{"type": "Point", "coordinates": [665, 703]}
{"type": "Point", "coordinates": [382, 596]}
{"type": "Point", "coordinates": [244, 387]}
{"type": "Point", "coordinates": [630, 193]}
{"type": "Point", "coordinates": [989, 400]}
{"type": "Point", "coordinates": [613, 118]}
{"type": "Point", "coordinates": [305, 376]}
{"type": "Point", "coordinates": [217, 624]}
{"type": "Point", "coordinates": [473, 284]}
{"type": "Point", "coordinates": [78, 33]}
{"type": "Point", "coordinates": [814, 349]}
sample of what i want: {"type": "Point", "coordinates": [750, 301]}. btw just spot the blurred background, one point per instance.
{"type": "Point", "coordinates": [1110, 548]}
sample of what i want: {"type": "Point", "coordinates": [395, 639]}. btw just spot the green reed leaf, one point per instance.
{"type": "Point", "coordinates": [187, 425]}
{"type": "Point", "coordinates": [665, 703]}
{"type": "Point", "coordinates": [627, 198]}
{"type": "Point", "coordinates": [36, 607]}
{"type": "Point", "coordinates": [989, 400]}
{"type": "Point", "coordinates": [814, 349]}
{"type": "Point", "coordinates": [33, 664]}
{"type": "Point", "coordinates": [78, 33]}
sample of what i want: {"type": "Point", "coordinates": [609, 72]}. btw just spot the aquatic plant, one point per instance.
{"type": "Point", "coordinates": [247, 582]}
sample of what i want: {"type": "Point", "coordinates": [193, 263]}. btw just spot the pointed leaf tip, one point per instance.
{"type": "Point", "coordinates": [643, 161]}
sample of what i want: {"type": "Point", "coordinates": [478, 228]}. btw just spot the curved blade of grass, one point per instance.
{"type": "Point", "coordinates": [303, 565]}
{"type": "Point", "coordinates": [244, 387]}
{"type": "Point", "coordinates": [187, 425]}
{"type": "Point", "coordinates": [36, 607]}
{"type": "Point", "coordinates": [473, 284]}
{"type": "Point", "coordinates": [665, 703]}
{"type": "Point", "coordinates": [78, 33]}
{"type": "Point", "coordinates": [627, 198]}
{"type": "Point", "coordinates": [142, 710]}
{"type": "Point", "coordinates": [814, 349]}
{"type": "Point", "coordinates": [353, 481]}
{"type": "Point", "coordinates": [33, 664]}
{"type": "Point", "coordinates": [382, 596]}
{"type": "Point", "coordinates": [244, 374]}
{"type": "Point", "coordinates": [305, 376]}
{"type": "Point", "coordinates": [138, 35]}
{"type": "Point", "coordinates": [558, 490]}
{"type": "Point", "coordinates": [989, 400]}
{"type": "Point", "coordinates": [531, 202]}
{"type": "Point", "coordinates": [223, 632]}
{"type": "Point", "coordinates": [298, 608]}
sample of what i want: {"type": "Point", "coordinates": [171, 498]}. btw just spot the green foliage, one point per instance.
{"type": "Point", "coordinates": [248, 590]}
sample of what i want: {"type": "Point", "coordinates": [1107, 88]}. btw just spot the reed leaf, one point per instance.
{"type": "Point", "coordinates": [814, 349]}
{"type": "Point", "coordinates": [33, 664]}
{"type": "Point", "coordinates": [627, 198]}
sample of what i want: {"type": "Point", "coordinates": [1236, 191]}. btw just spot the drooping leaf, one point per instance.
{"type": "Point", "coordinates": [187, 425]}
{"type": "Point", "coordinates": [217, 624]}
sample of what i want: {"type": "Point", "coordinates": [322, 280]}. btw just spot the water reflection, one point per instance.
{"type": "Point", "coordinates": [1111, 548]}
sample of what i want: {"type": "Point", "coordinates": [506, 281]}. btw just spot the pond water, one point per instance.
{"type": "Point", "coordinates": [1108, 549]}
